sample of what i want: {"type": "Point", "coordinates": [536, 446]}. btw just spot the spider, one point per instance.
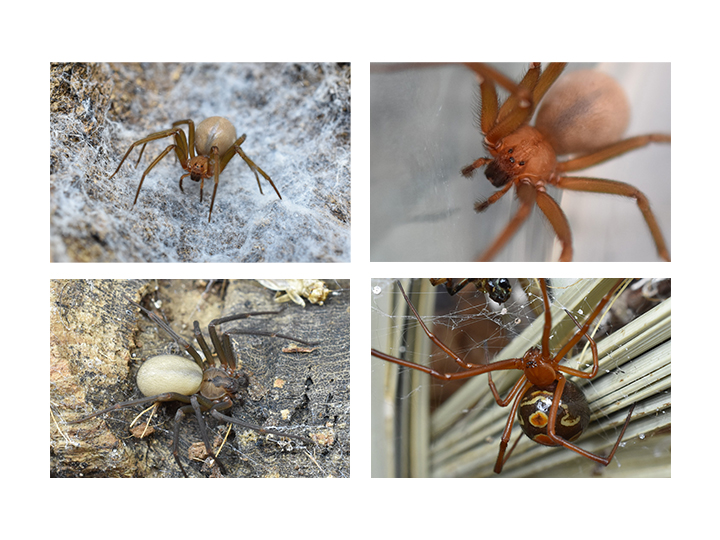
{"type": "Point", "coordinates": [498, 289]}
{"type": "Point", "coordinates": [216, 144]}
{"type": "Point", "coordinates": [585, 114]}
{"type": "Point", "coordinates": [551, 410]}
{"type": "Point", "coordinates": [203, 385]}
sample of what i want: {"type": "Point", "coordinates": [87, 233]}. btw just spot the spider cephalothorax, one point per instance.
{"type": "Point", "coordinates": [200, 168]}
{"type": "Point", "coordinates": [523, 153]}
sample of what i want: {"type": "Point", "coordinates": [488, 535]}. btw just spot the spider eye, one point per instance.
{"type": "Point", "coordinates": [522, 163]}
{"type": "Point", "coordinates": [512, 160]}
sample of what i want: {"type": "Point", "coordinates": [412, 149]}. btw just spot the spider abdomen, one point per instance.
{"type": "Point", "coordinates": [584, 111]}
{"type": "Point", "coordinates": [214, 131]}
{"type": "Point", "coordinates": [169, 373]}
{"type": "Point", "coordinates": [573, 414]}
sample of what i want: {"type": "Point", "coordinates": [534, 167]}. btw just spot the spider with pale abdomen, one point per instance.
{"type": "Point", "coordinates": [216, 144]}
{"type": "Point", "coordinates": [203, 385]}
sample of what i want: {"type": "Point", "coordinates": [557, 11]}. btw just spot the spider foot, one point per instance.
{"type": "Point", "coordinates": [481, 204]}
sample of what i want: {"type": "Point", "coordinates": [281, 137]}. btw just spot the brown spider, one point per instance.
{"type": "Point", "coordinates": [203, 385]}
{"type": "Point", "coordinates": [585, 114]}
{"type": "Point", "coordinates": [216, 144]}
{"type": "Point", "coordinates": [545, 416]}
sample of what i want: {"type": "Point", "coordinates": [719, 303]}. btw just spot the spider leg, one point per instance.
{"type": "Point", "coordinates": [432, 336]}
{"type": "Point", "coordinates": [526, 194]}
{"type": "Point", "coordinates": [547, 79]}
{"type": "Point", "coordinates": [512, 114]}
{"type": "Point", "coordinates": [487, 115]}
{"type": "Point", "coordinates": [235, 149]}
{"type": "Point", "coordinates": [180, 183]}
{"type": "Point", "coordinates": [191, 135]}
{"type": "Point", "coordinates": [228, 352]}
{"type": "Point", "coordinates": [512, 448]}
{"type": "Point", "coordinates": [257, 428]}
{"type": "Point", "coordinates": [468, 170]}
{"type": "Point", "coordinates": [479, 370]}
{"type": "Point", "coordinates": [203, 428]}
{"type": "Point", "coordinates": [486, 72]}
{"type": "Point", "coordinates": [515, 111]}
{"type": "Point", "coordinates": [224, 358]}
{"type": "Point", "coordinates": [180, 141]}
{"type": "Point", "coordinates": [583, 332]}
{"type": "Point", "coordinates": [179, 415]}
{"type": "Point", "coordinates": [216, 158]}
{"type": "Point", "coordinates": [481, 206]}
{"type": "Point", "coordinates": [511, 394]}
{"type": "Point", "coordinates": [154, 317]}
{"type": "Point", "coordinates": [505, 438]}
{"type": "Point", "coordinates": [552, 415]}
{"type": "Point", "coordinates": [150, 167]}
{"type": "Point", "coordinates": [612, 187]}
{"type": "Point", "coordinates": [611, 151]}
{"type": "Point", "coordinates": [559, 222]}
{"type": "Point", "coordinates": [256, 170]}
{"type": "Point", "coordinates": [195, 407]}
{"type": "Point", "coordinates": [169, 396]}
{"type": "Point", "coordinates": [270, 334]}
{"type": "Point", "coordinates": [473, 369]}
{"type": "Point", "coordinates": [203, 344]}
{"type": "Point", "coordinates": [513, 101]}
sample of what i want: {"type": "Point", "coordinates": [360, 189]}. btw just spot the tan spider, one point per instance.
{"type": "Point", "coordinates": [215, 143]}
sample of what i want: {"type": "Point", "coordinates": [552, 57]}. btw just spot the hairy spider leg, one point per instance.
{"type": "Point", "coordinates": [483, 71]}
{"type": "Point", "coordinates": [527, 196]}
{"type": "Point", "coordinates": [498, 124]}
{"type": "Point", "coordinates": [179, 416]}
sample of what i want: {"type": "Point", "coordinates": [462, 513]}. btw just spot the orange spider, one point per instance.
{"type": "Point", "coordinates": [585, 114]}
